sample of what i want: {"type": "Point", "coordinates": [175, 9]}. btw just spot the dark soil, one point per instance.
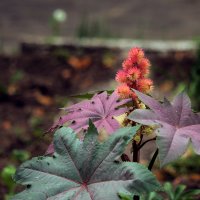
{"type": "Point", "coordinates": [35, 84]}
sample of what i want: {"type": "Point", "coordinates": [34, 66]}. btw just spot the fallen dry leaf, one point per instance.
{"type": "Point", "coordinates": [66, 73]}
{"type": "Point", "coordinates": [38, 112]}
{"type": "Point", "coordinates": [12, 89]}
{"type": "Point", "coordinates": [6, 125]}
{"type": "Point", "coordinates": [80, 62]}
{"type": "Point", "coordinates": [43, 99]}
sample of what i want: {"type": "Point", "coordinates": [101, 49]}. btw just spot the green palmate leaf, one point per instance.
{"type": "Point", "coordinates": [84, 170]}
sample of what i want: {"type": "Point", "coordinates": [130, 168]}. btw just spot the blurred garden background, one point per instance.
{"type": "Point", "coordinates": [50, 50]}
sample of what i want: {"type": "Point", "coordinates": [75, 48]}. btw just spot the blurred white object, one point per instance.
{"type": "Point", "coordinates": [60, 15]}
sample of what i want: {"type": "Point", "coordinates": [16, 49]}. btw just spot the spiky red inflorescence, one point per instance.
{"type": "Point", "coordinates": [121, 76]}
{"type": "Point", "coordinates": [135, 54]}
{"type": "Point", "coordinates": [145, 85]}
{"type": "Point", "coordinates": [133, 75]}
{"type": "Point", "coordinates": [127, 64]}
{"type": "Point", "coordinates": [144, 65]}
{"type": "Point", "coordinates": [124, 91]}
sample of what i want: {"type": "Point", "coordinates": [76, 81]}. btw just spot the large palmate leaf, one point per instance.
{"type": "Point", "coordinates": [84, 170]}
{"type": "Point", "coordinates": [177, 124]}
{"type": "Point", "coordinates": [101, 109]}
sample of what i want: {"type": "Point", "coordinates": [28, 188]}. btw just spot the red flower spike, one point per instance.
{"type": "Point", "coordinates": [133, 74]}
{"type": "Point", "coordinates": [121, 76]}
{"type": "Point", "coordinates": [127, 64]}
{"type": "Point", "coordinates": [135, 69]}
{"type": "Point", "coordinates": [136, 54]}
{"type": "Point", "coordinates": [144, 65]}
{"type": "Point", "coordinates": [124, 91]}
{"type": "Point", "coordinates": [145, 85]}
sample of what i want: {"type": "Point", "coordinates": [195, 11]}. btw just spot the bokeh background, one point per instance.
{"type": "Point", "coordinates": [151, 19]}
{"type": "Point", "coordinates": [52, 49]}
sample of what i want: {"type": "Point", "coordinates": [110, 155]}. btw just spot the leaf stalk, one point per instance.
{"type": "Point", "coordinates": [146, 142]}
{"type": "Point", "coordinates": [153, 160]}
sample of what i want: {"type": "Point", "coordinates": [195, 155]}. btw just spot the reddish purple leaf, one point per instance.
{"type": "Point", "coordinates": [177, 124]}
{"type": "Point", "coordinates": [100, 109]}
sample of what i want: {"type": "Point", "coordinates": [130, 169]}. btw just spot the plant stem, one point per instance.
{"type": "Point", "coordinates": [141, 137]}
{"type": "Point", "coordinates": [146, 142]}
{"type": "Point", "coordinates": [153, 160]}
{"type": "Point", "coordinates": [136, 149]}
{"type": "Point", "coordinates": [136, 152]}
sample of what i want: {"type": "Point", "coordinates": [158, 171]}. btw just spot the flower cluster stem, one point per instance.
{"type": "Point", "coordinates": [146, 142]}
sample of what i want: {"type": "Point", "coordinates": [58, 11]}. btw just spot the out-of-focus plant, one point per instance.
{"type": "Point", "coordinates": [18, 75]}
{"type": "Point", "coordinates": [87, 160]}
{"type": "Point", "coordinates": [8, 172]}
{"type": "Point", "coordinates": [92, 29]}
{"type": "Point", "coordinates": [10, 88]}
{"type": "Point", "coordinates": [194, 84]}
{"type": "Point", "coordinates": [108, 60]}
{"type": "Point", "coordinates": [6, 175]}
{"type": "Point", "coordinates": [20, 155]}
{"type": "Point", "coordinates": [61, 54]}
{"type": "Point", "coordinates": [58, 17]}
{"type": "Point", "coordinates": [3, 90]}
{"type": "Point", "coordinates": [150, 196]}
{"type": "Point", "coordinates": [170, 192]}
{"type": "Point", "coordinates": [187, 165]}
{"type": "Point", "coordinates": [179, 192]}
{"type": "Point", "coordinates": [35, 123]}
{"type": "Point", "coordinates": [1, 45]}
